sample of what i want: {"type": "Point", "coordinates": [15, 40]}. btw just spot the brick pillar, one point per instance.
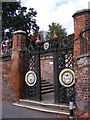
{"type": "Point", "coordinates": [81, 66]}
{"type": "Point", "coordinates": [19, 43]}
{"type": "Point", "coordinates": [81, 20]}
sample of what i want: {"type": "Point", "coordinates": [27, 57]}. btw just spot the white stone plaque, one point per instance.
{"type": "Point", "coordinates": [46, 46]}
{"type": "Point", "coordinates": [66, 77]}
{"type": "Point", "coordinates": [30, 78]}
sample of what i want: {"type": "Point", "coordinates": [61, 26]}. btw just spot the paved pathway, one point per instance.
{"type": "Point", "coordinates": [10, 111]}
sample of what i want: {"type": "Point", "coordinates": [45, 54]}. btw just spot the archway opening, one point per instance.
{"type": "Point", "coordinates": [47, 77]}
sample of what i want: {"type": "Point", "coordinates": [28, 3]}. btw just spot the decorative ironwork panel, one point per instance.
{"type": "Point", "coordinates": [6, 45]}
{"type": "Point", "coordinates": [69, 60]}
{"type": "Point", "coordinates": [65, 58]}
{"type": "Point", "coordinates": [30, 64]}
{"type": "Point", "coordinates": [66, 62]}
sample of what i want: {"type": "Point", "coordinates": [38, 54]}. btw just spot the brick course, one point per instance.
{"type": "Point", "coordinates": [5, 70]}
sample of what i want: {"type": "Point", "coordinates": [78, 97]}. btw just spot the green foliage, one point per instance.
{"type": "Point", "coordinates": [71, 36]}
{"type": "Point", "coordinates": [15, 17]}
{"type": "Point", "coordinates": [60, 32]}
{"type": "Point", "coordinates": [33, 39]}
{"type": "Point", "coordinates": [8, 14]}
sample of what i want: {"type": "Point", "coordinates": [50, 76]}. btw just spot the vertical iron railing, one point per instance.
{"type": "Point", "coordinates": [56, 81]}
{"type": "Point", "coordinates": [38, 71]}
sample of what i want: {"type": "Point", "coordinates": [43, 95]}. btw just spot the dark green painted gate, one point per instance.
{"type": "Point", "coordinates": [62, 58]}
{"type": "Point", "coordinates": [32, 63]}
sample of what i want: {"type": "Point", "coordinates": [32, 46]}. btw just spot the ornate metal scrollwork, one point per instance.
{"type": "Point", "coordinates": [6, 45]}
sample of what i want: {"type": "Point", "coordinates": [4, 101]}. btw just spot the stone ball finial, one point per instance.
{"type": "Point", "coordinates": [38, 42]}
{"type": "Point", "coordinates": [55, 36]}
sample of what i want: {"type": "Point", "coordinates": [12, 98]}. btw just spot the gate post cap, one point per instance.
{"type": "Point", "coordinates": [38, 42]}
{"type": "Point", "coordinates": [19, 31]}
{"type": "Point", "coordinates": [55, 36]}
{"type": "Point", "coordinates": [79, 12]}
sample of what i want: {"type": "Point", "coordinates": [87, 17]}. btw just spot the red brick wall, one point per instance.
{"type": "Point", "coordinates": [82, 86]}
{"type": "Point", "coordinates": [11, 69]}
{"type": "Point", "coordinates": [5, 70]}
{"type": "Point", "coordinates": [47, 69]}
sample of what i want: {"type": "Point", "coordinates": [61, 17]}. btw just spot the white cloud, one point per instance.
{"type": "Point", "coordinates": [59, 11]}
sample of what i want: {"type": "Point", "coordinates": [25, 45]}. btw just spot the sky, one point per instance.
{"type": "Point", "coordinates": [58, 11]}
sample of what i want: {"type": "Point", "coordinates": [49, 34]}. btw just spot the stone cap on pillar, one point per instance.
{"type": "Point", "coordinates": [81, 11]}
{"type": "Point", "coordinates": [19, 40]}
{"type": "Point", "coordinates": [19, 31]}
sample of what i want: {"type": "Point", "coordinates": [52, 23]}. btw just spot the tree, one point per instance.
{"type": "Point", "coordinates": [33, 39]}
{"type": "Point", "coordinates": [15, 17]}
{"type": "Point", "coordinates": [60, 32]}
{"type": "Point", "coordinates": [8, 14]}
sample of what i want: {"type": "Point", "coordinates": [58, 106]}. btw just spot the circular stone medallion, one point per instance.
{"type": "Point", "coordinates": [30, 78]}
{"type": "Point", "coordinates": [66, 77]}
{"type": "Point", "coordinates": [46, 46]}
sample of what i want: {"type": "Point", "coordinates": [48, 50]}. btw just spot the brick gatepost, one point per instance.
{"type": "Point", "coordinates": [81, 21]}
{"type": "Point", "coordinates": [19, 43]}
{"type": "Point", "coordinates": [82, 64]}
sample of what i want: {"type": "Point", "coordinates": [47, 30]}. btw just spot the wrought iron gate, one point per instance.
{"type": "Point", "coordinates": [62, 58]}
{"type": "Point", "coordinates": [32, 63]}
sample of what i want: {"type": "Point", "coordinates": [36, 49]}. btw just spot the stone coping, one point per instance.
{"type": "Point", "coordinates": [19, 31]}
{"type": "Point", "coordinates": [83, 55]}
{"type": "Point", "coordinates": [44, 58]}
{"type": "Point", "coordinates": [80, 12]}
